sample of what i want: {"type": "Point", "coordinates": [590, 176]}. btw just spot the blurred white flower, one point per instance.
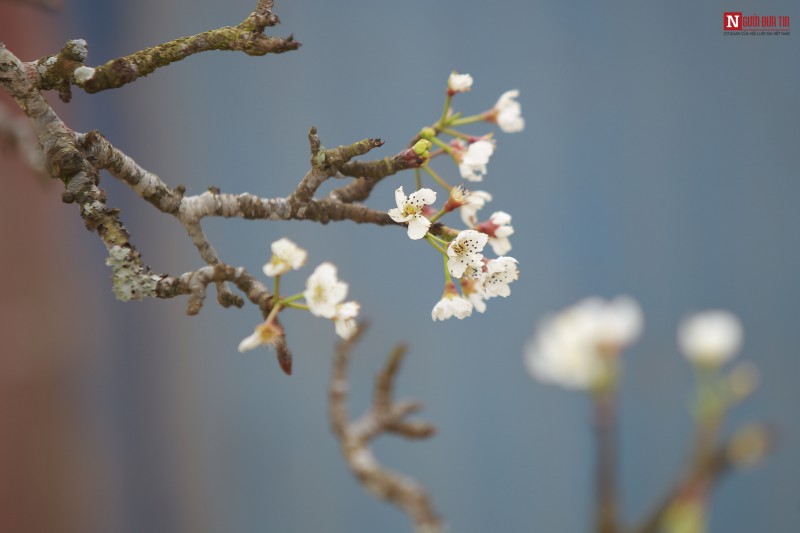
{"type": "Point", "coordinates": [459, 83]}
{"type": "Point", "coordinates": [618, 323]}
{"type": "Point", "coordinates": [265, 334]}
{"type": "Point", "coordinates": [286, 256]}
{"type": "Point", "coordinates": [409, 209]}
{"type": "Point", "coordinates": [710, 337]}
{"type": "Point", "coordinates": [464, 253]}
{"type": "Point", "coordinates": [475, 201]}
{"type": "Point", "coordinates": [569, 348]}
{"type": "Point", "coordinates": [324, 291]}
{"type": "Point", "coordinates": [451, 305]}
{"type": "Point", "coordinates": [345, 319]}
{"type": "Point", "coordinates": [472, 164]}
{"type": "Point", "coordinates": [499, 273]}
{"type": "Point", "coordinates": [507, 112]}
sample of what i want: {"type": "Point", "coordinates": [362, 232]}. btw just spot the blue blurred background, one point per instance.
{"type": "Point", "coordinates": [660, 160]}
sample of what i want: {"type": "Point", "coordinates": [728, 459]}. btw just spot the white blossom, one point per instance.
{"type": "Point", "coordinates": [475, 201]}
{"type": "Point", "coordinates": [710, 337]}
{"type": "Point", "coordinates": [451, 305]}
{"type": "Point", "coordinates": [286, 256]}
{"type": "Point", "coordinates": [499, 228]}
{"type": "Point", "coordinates": [507, 112]}
{"type": "Point", "coordinates": [499, 273]}
{"type": "Point", "coordinates": [464, 253]}
{"type": "Point", "coordinates": [472, 165]}
{"type": "Point", "coordinates": [324, 291]}
{"type": "Point", "coordinates": [409, 209]}
{"type": "Point", "coordinates": [265, 334]}
{"type": "Point", "coordinates": [569, 348]}
{"type": "Point", "coordinates": [474, 292]}
{"type": "Point", "coordinates": [459, 83]}
{"type": "Point", "coordinates": [345, 319]}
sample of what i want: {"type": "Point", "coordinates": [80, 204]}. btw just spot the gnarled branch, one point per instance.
{"type": "Point", "coordinates": [385, 416]}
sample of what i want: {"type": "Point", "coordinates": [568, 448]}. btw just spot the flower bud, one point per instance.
{"type": "Point", "coordinates": [421, 147]}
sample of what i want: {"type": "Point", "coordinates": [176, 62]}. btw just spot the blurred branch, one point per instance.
{"type": "Point", "coordinates": [606, 460]}
{"type": "Point", "coordinates": [385, 416]}
{"type": "Point", "coordinates": [47, 5]}
{"type": "Point", "coordinates": [708, 465]}
{"type": "Point", "coordinates": [17, 135]}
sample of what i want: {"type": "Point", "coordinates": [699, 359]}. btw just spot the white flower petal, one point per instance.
{"type": "Point", "coordinates": [265, 334]}
{"type": "Point", "coordinates": [468, 172]}
{"type": "Point", "coordinates": [456, 266]}
{"type": "Point", "coordinates": [418, 227]}
{"type": "Point", "coordinates": [345, 319]}
{"type": "Point", "coordinates": [473, 163]}
{"type": "Point", "coordinates": [441, 311]}
{"type": "Point", "coordinates": [461, 308]}
{"type": "Point", "coordinates": [397, 215]}
{"type": "Point", "coordinates": [500, 246]}
{"type": "Point", "coordinates": [459, 83]}
{"type": "Point", "coordinates": [509, 112]}
{"type": "Point", "coordinates": [451, 306]}
{"type": "Point", "coordinates": [250, 343]}
{"type": "Point", "coordinates": [286, 256]}
{"type": "Point", "coordinates": [475, 201]}
{"type": "Point", "coordinates": [422, 197]}
{"type": "Point", "coordinates": [477, 302]}
{"type": "Point", "coordinates": [500, 218]}
{"type": "Point", "coordinates": [400, 198]}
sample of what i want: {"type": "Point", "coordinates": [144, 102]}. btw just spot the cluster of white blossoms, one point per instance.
{"type": "Point", "coordinates": [576, 347]}
{"type": "Point", "coordinates": [479, 278]}
{"type": "Point", "coordinates": [324, 296]}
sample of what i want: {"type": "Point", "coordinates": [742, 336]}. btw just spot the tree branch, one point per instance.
{"type": "Point", "coordinates": [67, 68]}
{"type": "Point", "coordinates": [325, 164]}
{"type": "Point", "coordinates": [75, 159]}
{"type": "Point", "coordinates": [384, 416]}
